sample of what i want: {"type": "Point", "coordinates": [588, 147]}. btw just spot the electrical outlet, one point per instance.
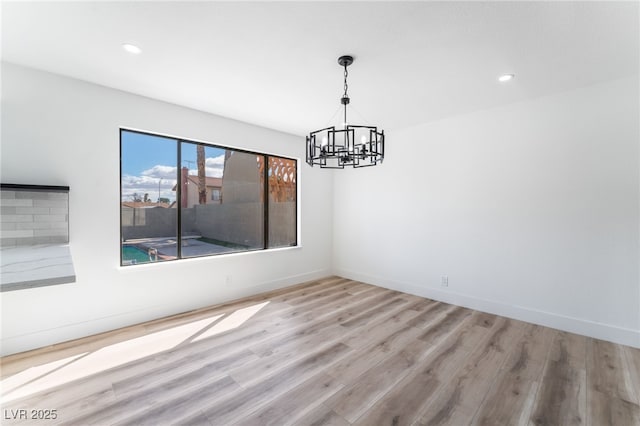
{"type": "Point", "coordinates": [444, 281]}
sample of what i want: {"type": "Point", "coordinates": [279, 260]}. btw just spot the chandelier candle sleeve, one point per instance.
{"type": "Point", "coordinates": [353, 145]}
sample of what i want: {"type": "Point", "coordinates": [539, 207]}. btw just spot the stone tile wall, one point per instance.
{"type": "Point", "coordinates": [31, 217]}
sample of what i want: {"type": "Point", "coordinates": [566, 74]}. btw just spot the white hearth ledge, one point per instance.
{"type": "Point", "coordinates": [35, 266]}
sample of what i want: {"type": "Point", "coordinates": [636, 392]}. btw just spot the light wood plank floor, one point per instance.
{"type": "Point", "coordinates": [329, 352]}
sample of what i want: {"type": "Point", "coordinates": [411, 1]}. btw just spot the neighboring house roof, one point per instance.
{"type": "Point", "coordinates": [143, 205]}
{"type": "Point", "coordinates": [210, 182]}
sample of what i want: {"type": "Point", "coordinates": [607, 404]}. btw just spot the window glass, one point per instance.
{"type": "Point", "coordinates": [282, 202]}
{"type": "Point", "coordinates": [183, 199]}
{"type": "Point", "coordinates": [233, 222]}
{"type": "Point", "coordinates": [147, 202]}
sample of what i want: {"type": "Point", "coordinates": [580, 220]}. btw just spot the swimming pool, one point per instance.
{"type": "Point", "coordinates": [133, 255]}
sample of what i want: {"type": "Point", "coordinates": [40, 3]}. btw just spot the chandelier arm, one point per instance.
{"type": "Point", "coordinates": [360, 115]}
{"type": "Point", "coordinates": [335, 114]}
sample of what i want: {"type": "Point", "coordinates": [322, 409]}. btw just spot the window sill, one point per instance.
{"type": "Point", "coordinates": [259, 252]}
{"type": "Point", "coordinates": [36, 266]}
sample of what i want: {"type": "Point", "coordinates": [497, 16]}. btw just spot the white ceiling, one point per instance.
{"type": "Point", "coordinates": [275, 64]}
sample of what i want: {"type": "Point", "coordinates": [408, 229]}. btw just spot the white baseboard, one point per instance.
{"type": "Point", "coordinates": [611, 333]}
{"type": "Point", "coordinates": [26, 342]}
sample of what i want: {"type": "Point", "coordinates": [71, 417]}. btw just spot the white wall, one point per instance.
{"type": "Point", "coordinates": [531, 210]}
{"type": "Point", "coordinates": [60, 131]}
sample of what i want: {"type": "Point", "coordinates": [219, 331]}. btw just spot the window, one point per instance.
{"type": "Point", "coordinates": [182, 199]}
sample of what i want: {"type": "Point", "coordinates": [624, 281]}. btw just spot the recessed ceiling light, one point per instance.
{"type": "Point", "coordinates": [132, 48]}
{"type": "Point", "coordinates": [506, 77]}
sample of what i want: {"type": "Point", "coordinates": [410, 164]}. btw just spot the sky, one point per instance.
{"type": "Point", "coordinates": [148, 164]}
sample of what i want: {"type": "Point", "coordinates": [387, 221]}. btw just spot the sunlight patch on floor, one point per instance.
{"type": "Point", "coordinates": [56, 373]}
{"type": "Point", "coordinates": [11, 383]}
{"type": "Point", "coordinates": [50, 375]}
{"type": "Point", "coordinates": [235, 320]}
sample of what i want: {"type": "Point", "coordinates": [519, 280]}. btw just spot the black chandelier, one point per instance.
{"type": "Point", "coordinates": [353, 145]}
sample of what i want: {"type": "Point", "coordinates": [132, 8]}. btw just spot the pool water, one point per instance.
{"type": "Point", "coordinates": [131, 254]}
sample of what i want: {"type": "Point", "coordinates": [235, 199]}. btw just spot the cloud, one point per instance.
{"type": "Point", "coordinates": [147, 182]}
{"type": "Point", "coordinates": [147, 185]}
{"type": "Point", "coordinates": [214, 167]}
{"type": "Point", "coordinates": [215, 161]}
{"type": "Point", "coordinates": [160, 171]}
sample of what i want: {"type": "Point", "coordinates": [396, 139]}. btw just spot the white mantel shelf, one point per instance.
{"type": "Point", "coordinates": [35, 266]}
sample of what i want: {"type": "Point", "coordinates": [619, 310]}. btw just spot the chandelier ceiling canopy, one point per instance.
{"type": "Point", "coordinates": [351, 145]}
